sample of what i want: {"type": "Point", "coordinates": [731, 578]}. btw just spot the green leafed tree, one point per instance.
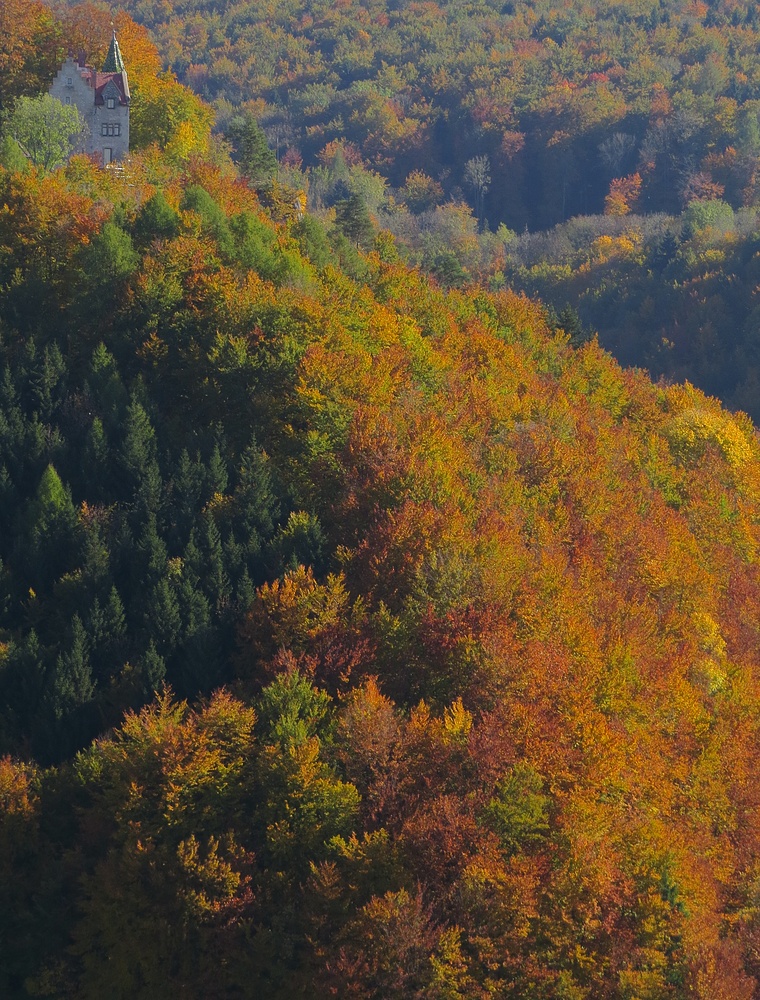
{"type": "Point", "coordinates": [156, 220]}
{"type": "Point", "coordinates": [353, 220]}
{"type": "Point", "coordinates": [53, 531]}
{"type": "Point", "coordinates": [256, 160]}
{"type": "Point", "coordinates": [46, 131]}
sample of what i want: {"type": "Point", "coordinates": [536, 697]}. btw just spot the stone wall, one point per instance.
{"type": "Point", "coordinates": [108, 127]}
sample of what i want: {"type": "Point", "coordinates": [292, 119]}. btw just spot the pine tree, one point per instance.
{"type": "Point", "coordinates": [13, 427]}
{"type": "Point", "coordinates": [151, 554]}
{"type": "Point", "coordinates": [194, 608]}
{"type": "Point", "coordinates": [49, 546]}
{"type": "Point", "coordinates": [106, 384]}
{"type": "Point", "coordinates": [162, 623]}
{"type": "Point", "coordinates": [569, 321]}
{"type": "Point", "coordinates": [244, 592]}
{"type": "Point", "coordinates": [48, 381]}
{"type": "Point", "coordinates": [138, 459]}
{"type": "Point", "coordinates": [216, 580]}
{"type": "Point", "coordinates": [187, 491]}
{"type": "Point", "coordinates": [192, 560]}
{"type": "Point", "coordinates": [107, 629]}
{"type": "Point", "coordinates": [95, 556]}
{"type": "Point", "coordinates": [151, 669]}
{"type": "Point", "coordinates": [95, 464]}
{"type": "Point", "coordinates": [217, 477]}
{"type": "Point", "coordinates": [22, 687]}
{"type": "Point", "coordinates": [256, 160]}
{"type": "Point", "coordinates": [353, 219]}
{"type": "Point", "coordinates": [234, 556]}
{"type": "Point", "coordinates": [72, 683]}
{"type": "Point", "coordinates": [8, 503]}
{"type": "Point", "coordinates": [198, 664]}
{"type": "Point", "coordinates": [256, 505]}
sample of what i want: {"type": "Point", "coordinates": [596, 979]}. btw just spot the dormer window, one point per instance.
{"type": "Point", "coordinates": [111, 103]}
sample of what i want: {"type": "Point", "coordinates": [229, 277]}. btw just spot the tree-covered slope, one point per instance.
{"type": "Point", "coordinates": [677, 295]}
{"type": "Point", "coordinates": [561, 99]}
{"type": "Point", "coordinates": [438, 123]}
{"type": "Point", "coordinates": [673, 293]}
{"type": "Point", "coordinates": [484, 606]}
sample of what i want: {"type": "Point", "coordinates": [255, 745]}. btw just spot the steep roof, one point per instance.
{"type": "Point", "coordinates": [99, 82]}
{"type": "Point", "coordinates": [114, 71]}
{"type": "Point", "coordinates": [114, 62]}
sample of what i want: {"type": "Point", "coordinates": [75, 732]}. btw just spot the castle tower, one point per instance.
{"type": "Point", "coordinates": [102, 99]}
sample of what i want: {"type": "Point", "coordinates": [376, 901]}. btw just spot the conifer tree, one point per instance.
{"type": "Point", "coordinates": [187, 490]}
{"type": "Point", "coordinates": [199, 658]}
{"type": "Point", "coordinates": [95, 467]}
{"type": "Point", "coordinates": [192, 560]}
{"type": "Point", "coordinates": [72, 683]}
{"type": "Point", "coordinates": [107, 629]}
{"type": "Point", "coordinates": [353, 219]}
{"type": "Point", "coordinates": [216, 580]}
{"type": "Point", "coordinates": [162, 622]}
{"type": "Point", "coordinates": [49, 545]}
{"type": "Point", "coordinates": [106, 384]}
{"type": "Point", "coordinates": [151, 669]}
{"type": "Point", "coordinates": [95, 559]}
{"type": "Point", "coordinates": [569, 321]}
{"type": "Point", "coordinates": [151, 554]}
{"type": "Point", "coordinates": [244, 592]}
{"type": "Point", "coordinates": [255, 501]}
{"type": "Point", "coordinates": [138, 458]}
{"type": "Point", "coordinates": [217, 477]}
{"type": "Point", "coordinates": [8, 500]}
{"type": "Point", "coordinates": [22, 688]}
{"type": "Point", "coordinates": [256, 160]}
{"type": "Point", "coordinates": [47, 381]}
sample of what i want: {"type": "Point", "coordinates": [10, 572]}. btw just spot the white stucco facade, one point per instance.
{"type": "Point", "coordinates": [102, 99]}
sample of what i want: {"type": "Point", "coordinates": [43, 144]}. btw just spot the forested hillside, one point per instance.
{"type": "Point", "coordinates": [561, 99]}
{"type": "Point", "coordinates": [676, 295]}
{"type": "Point", "coordinates": [484, 606]}
{"type": "Point", "coordinates": [360, 637]}
{"type": "Point", "coordinates": [458, 127]}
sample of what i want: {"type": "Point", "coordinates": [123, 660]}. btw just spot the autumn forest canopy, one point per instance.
{"type": "Point", "coordinates": [366, 629]}
{"type": "Point", "coordinates": [470, 129]}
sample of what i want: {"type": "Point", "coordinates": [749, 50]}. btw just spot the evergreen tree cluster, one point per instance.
{"type": "Point", "coordinates": [117, 577]}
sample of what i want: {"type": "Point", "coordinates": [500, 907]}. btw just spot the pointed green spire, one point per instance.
{"type": "Point", "coordinates": [114, 62]}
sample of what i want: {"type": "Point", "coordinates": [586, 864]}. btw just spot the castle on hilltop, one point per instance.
{"type": "Point", "coordinates": [102, 99]}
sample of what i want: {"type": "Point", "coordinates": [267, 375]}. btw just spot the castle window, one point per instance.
{"type": "Point", "coordinates": [68, 99]}
{"type": "Point", "coordinates": [69, 81]}
{"type": "Point", "coordinates": [111, 103]}
{"type": "Point", "coordinates": [110, 128]}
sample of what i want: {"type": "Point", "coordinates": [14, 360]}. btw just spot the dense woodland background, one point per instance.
{"type": "Point", "coordinates": [460, 126]}
{"type": "Point", "coordinates": [366, 631]}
